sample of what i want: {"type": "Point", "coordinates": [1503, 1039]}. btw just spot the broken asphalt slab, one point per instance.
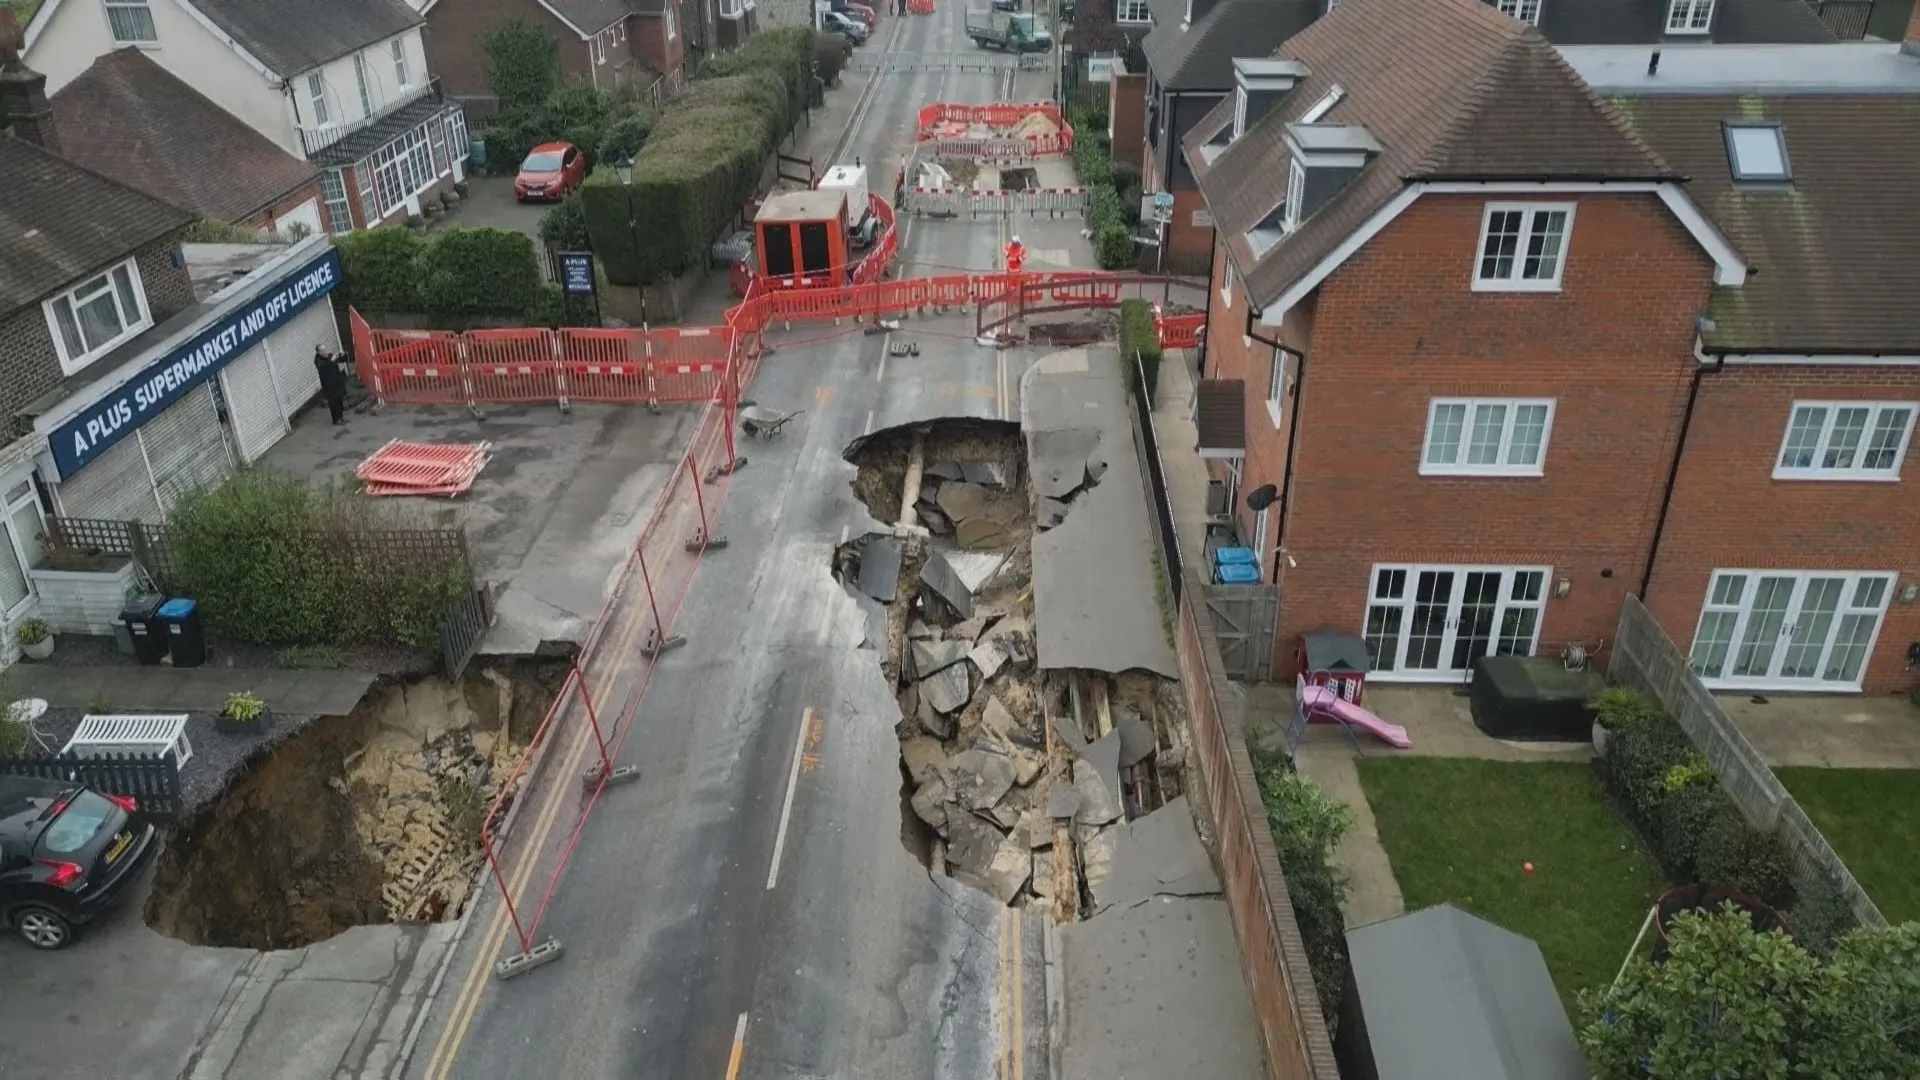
{"type": "Point", "coordinates": [939, 577]}
{"type": "Point", "coordinates": [1096, 776]}
{"type": "Point", "coordinates": [1096, 600]}
{"type": "Point", "coordinates": [880, 567]}
{"type": "Point", "coordinates": [1156, 855]}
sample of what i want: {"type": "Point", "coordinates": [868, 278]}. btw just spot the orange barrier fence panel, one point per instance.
{"type": "Point", "coordinates": [618, 383]}
{"type": "Point", "coordinates": [601, 347]}
{"type": "Point", "coordinates": [523, 382]}
{"type": "Point", "coordinates": [421, 384]}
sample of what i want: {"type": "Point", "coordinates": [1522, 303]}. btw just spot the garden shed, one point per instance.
{"type": "Point", "coordinates": [1438, 992]}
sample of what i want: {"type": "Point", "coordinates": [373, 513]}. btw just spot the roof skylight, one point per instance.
{"type": "Point", "coordinates": [1757, 152]}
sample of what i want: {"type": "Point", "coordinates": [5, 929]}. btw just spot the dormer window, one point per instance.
{"type": "Point", "coordinates": [1689, 16]}
{"type": "Point", "coordinates": [1757, 153]}
{"type": "Point", "coordinates": [1527, 11]}
{"type": "Point", "coordinates": [1258, 86]}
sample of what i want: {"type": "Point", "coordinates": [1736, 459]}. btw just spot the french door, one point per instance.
{"type": "Point", "coordinates": [1789, 629]}
{"type": "Point", "coordinates": [1433, 622]}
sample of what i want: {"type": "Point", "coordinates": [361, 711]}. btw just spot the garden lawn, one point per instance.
{"type": "Point", "coordinates": [1872, 818]}
{"type": "Point", "coordinates": [1459, 830]}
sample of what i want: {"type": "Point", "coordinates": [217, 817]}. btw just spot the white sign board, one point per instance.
{"type": "Point", "coordinates": [1099, 69]}
{"type": "Point", "coordinates": [1202, 219]}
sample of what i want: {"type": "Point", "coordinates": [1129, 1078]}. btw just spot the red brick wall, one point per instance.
{"type": "Point", "coordinates": [1127, 119]}
{"type": "Point", "coordinates": [647, 38]}
{"type": "Point", "coordinates": [1730, 513]}
{"type": "Point", "coordinates": [1398, 325]}
{"type": "Point", "coordinates": [453, 34]}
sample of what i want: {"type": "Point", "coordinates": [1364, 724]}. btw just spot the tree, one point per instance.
{"type": "Point", "coordinates": [1730, 1004]}
{"type": "Point", "coordinates": [523, 62]}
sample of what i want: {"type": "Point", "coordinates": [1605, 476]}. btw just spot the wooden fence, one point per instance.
{"type": "Point", "coordinates": [152, 781]}
{"type": "Point", "coordinates": [152, 548]}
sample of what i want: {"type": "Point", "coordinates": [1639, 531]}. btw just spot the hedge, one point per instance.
{"type": "Point", "coordinates": [1107, 216]}
{"type": "Point", "coordinates": [453, 274]}
{"type": "Point", "coordinates": [702, 162]}
{"type": "Point", "coordinates": [1138, 337]}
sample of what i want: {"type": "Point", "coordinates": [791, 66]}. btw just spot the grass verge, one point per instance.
{"type": "Point", "coordinates": [1460, 830]}
{"type": "Point", "coordinates": [1872, 818]}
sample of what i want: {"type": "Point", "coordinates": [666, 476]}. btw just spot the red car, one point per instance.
{"type": "Point", "coordinates": [551, 170]}
{"type": "Point", "coordinates": [859, 11]}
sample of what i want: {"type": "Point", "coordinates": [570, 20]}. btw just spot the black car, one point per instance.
{"type": "Point", "coordinates": [67, 852]}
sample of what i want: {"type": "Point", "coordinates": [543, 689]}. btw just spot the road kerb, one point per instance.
{"type": "Point", "coordinates": [1053, 976]}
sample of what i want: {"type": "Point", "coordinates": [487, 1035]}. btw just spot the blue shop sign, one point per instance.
{"type": "Point", "coordinates": [98, 427]}
{"type": "Point", "coordinates": [576, 272]}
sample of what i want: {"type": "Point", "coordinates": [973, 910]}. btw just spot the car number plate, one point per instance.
{"type": "Point", "coordinates": [120, 845]}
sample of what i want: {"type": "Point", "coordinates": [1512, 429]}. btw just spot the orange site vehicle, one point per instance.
{"type": "Point", "coordinates": [835, 234]}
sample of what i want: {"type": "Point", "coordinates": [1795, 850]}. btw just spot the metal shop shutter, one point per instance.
{"type": "Point", "coordinates": [290, 351]}
{"type": "Point", "coordinates": [253, 403]}
{"type": "Point", "coordinates": [113, 487]}
{"type": "Point", "coordinates": [187, 446]}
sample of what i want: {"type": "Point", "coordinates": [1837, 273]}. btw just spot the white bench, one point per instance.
{"type": "Point", "coordinates": [158, 734]}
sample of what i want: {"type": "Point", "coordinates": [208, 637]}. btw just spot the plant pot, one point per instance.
{"type": "Point", "coordinates": [39, 650]}
{"type": "Point", "coordinates": [1599, 740]}
{"type": "Point", "coordinates": [227, 725]}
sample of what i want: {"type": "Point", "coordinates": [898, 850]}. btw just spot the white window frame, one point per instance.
{"type": "Point", "coordinates": [457, 142]}
{"type": "Point", "coordinates": [1226, 278]}
{"type": "Point", "coordinates": [333, 201]}
{"type": "Point", "coordinates": [1296, 194]}
{"type": "Point", "coordinates": [1527, 11]}
{"type": "Point", "coordinates": [1463, 443]}
{"type": "Point", "coordinates": [402, 76]}
{"type": "Point", "coordinates": [365, 83]}
{"type": "Point", "coordinates": [317, 97]}
{"type": "Point", "coordinates": [1823, 441]}
{"type": "Point", "coordinates": [1131, 12]}
{"type": "Point", "coordinates": [1446, 635]}
{"type": "Point", "coordinates": [15, 501]}
{"type": "Point", "coordinates": [1530, 217]}
{"type": "Point", "coordinates": [1690, 17]}
{"type": "Point", "coordinates": [1276, 385]}
{"type": "Point", "coordinates": [71, 362]}
{"type": "Point", "coordinates": [1730, 614]}
{"type": "Point", "coordinates": [401, 170]}
{"type": "Point", "coordinates": [673, 28]}
{"type": "Point", "coordinates": [732, 9]}
{"type": "Point", "coordinates": [144, 7]}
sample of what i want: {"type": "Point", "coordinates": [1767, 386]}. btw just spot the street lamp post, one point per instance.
{"type": "Point", "coordinates": [624, 167]}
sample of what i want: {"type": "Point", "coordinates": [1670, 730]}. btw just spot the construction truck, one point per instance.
{"type": "Point", "coordinates": [1008, 31]}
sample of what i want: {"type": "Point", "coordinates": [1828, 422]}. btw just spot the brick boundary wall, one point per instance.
{"type": "Point", "coordinates": [1645, 658]}
{"type": "Point", "coordinates": [1298, 1046]}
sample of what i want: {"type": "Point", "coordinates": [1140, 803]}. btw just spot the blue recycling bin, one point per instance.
{"type": "Point", "coordinates": [1234, 556]}
{"type": "Point", "coordinates": [1236, 574]}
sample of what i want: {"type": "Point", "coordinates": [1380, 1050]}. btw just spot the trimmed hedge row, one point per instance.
{"type": "Point", "coordinates": [1138, 336]}
{"type": "Point", "coordinates": [1693, 826]}
{"type": "Point", "coordinates": [453, 275]}
{"type": "Point", "coordinates": [703, 160]}
{"type": "Point", "coordinates": [1107, 214]}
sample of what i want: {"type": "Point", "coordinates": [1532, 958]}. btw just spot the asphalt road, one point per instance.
{"type": "Point", "coordinates": [747, 909]}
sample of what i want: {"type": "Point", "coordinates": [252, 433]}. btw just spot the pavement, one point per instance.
{"type": "Point", "coordinates": [1095, 591]}
{"type": "Point", "coordinates": [552, 517]}
{"type": "Point", "coordinates": [160, 688]}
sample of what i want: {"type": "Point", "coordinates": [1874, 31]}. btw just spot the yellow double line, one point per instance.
{"type": "Point", "coordinates": [447, 1049]}
{"type": "Point", "coordinates": [1012, 999]}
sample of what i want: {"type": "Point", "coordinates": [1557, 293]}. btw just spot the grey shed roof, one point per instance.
{"type": "Point", "coordinates": [293, 36]}
{"type": "Point", "coordinates": [1445, 993]}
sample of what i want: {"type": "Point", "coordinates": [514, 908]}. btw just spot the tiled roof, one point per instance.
{"type": "Point", "coordinates": [593, 16]}
{"type": "Point", "coordinates": [1644, 22]}
{"type": "Point", "coordinates": [1836, 253]}
{"type": "Point", "coordinates": [292, 36]}
{"type": "Point", "coordinates": [59, 222]}
{"type": "Point", "coordinates": [1451, 89]}
{"type": "Point", "coordinates": [127, 118]}
{"type": "Point", "coordinates": [1201, 56]}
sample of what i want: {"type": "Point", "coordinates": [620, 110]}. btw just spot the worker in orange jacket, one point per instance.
{"type": "Point", "coordinates": [1016, 255]}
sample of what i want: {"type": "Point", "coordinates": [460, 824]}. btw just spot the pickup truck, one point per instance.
{"type": "Point", "coordinates": [1013, 32]}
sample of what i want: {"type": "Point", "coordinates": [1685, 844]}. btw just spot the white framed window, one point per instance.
{"type": "Point", "coordinates": [1523, 247]}
{"type": "Point", "coordinates": [1319, 109]}
{"type": "Point", "coordinates": [1276, 386]}
{"type": "Point", "coordinates": [1296, 194]}
{"type": "Point", "coordinates": [1757, 152]}
{"type": "Point", "coordinates": [1845, 440]}
{"type": "Point", "coordinates": [1226, 278]}
{"type": "Point", "coordinates": [457, 135]}
{"type": "Point", "coordinates": [366, 87]}
{"type": "Point", "coordinates": [732, 9]}
{"type": "Point", "coordinates": [317, 97]}
{"type": "Point", "coordinates": [1426, 623]}
{"type": "Point", "coordinates": [1487, 436]}
{"type": "Point", "coordinates": [1689, 16]}
{"type": "Point", "coordinates": [22, 537]}
{"type": "Point", "coordinates": [1131, 11]}
{"type": "Point", "coordinates": [673, 30]}
{"type": "Point", "coordinates": [1527, 11]}
{"type": "Point", "coordinates": [131, 22]}
{"type": "Point", "coordinates": [401, 169]}
{"type": "Point", "coordinates": [401, 76]}
{"type": "Point", "coordinates": [92, 318]}
{"type": "Point", "coordinates": [333, 193]}
{"type": "Point", "coordinates": [1789, 629]}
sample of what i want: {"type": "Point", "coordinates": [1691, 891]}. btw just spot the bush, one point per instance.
{"type": "Point", "coordinates": [1107, 216]}
{"type": "Point", "coordinates": [626, 136]}
{"type": "Point", "coordinates": [378, 269]}
{"type": "Point", "coordinates": [564, 228]}
{"type": "Point", "coordinates": [702, 162]}
{"type": "Point", "coordinates": [582, 114]}
{"type": "Point", "coordinates": [1307, 825]}
{"type": "Point", "coordinates": [467, 272]}
{"type": "Point", "coordinates": [275, 562]}
{"type": "Point", "coordinates": [1139, 338]}
{"type": "Point", "coordinates": [829, 57]}
{"type": "Point", "coordinates": [522, 61]}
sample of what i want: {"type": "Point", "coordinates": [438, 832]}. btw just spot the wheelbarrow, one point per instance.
{"type": "Point", "coordinates": [762, 422]}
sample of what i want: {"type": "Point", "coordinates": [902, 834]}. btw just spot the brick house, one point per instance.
{"type": "Point", "coordinates": [610, 43]}
{"type": "Point", "coordinates": [343, 85]}
{"type": "Point", "coordinates": [1193, 43]}
{"type": "Point", "coordinates": [128, 119]}
{"type": "Point", "coordinates": [1517, 332]}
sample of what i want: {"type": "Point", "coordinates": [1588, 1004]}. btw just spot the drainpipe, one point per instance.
{"type": "Point", "coordinates": [1293, 439]}
{"type": "Point", "coordinates": [1701, 367]}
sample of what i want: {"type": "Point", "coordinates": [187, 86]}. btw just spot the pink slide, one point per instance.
{"type": "Point", "coordinates": [1325, 706]}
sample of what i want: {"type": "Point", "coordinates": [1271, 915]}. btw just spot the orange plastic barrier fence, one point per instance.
{"type": "Point", "coordinates": [949, 120]}
{"type": "Point", "coordinates": [1178, 331]}
{"type": "Point", "coordinates": [919, 7]}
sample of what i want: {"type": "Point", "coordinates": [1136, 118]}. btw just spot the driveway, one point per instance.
{"type": "Point", "coordinates": [490, 204]}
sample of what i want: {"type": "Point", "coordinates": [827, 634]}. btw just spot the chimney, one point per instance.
{"type": "Point", "coordinates": [23, 92]}
{"type": "Point", "coordinates": [1911, 44]}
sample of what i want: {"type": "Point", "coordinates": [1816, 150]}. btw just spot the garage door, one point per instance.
{"type": "Point", "coordinates": [113, 487]}
{"type": "Point", "coordinates": [187, 446]}
{"type": "Point", "coordinates": [253, 404]}
{"type": "Point", "coordinates": [290, 351]}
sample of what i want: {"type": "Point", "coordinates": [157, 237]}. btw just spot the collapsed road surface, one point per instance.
{"type": "Point", "coordinates": [746, 909]}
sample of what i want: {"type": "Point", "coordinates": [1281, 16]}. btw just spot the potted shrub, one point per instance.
{"type": "Point", "coordinates": [243, 714]}
{"type": "Point", "coordinates": [1615, 708]}
{"type": "Point", "coordinates": [36, 638]}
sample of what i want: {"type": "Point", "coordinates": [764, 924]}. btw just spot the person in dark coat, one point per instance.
{"type": "Point", "coordinates": [333, 383]}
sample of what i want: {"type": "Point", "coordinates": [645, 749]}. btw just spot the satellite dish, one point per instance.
{"type": "Point", "coordinates": [1262, 497]}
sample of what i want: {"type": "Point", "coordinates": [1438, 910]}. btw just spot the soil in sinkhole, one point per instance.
{"type": "Point", "coordinates": [367, 818]}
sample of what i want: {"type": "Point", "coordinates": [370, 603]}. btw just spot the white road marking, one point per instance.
{"type": "Point", "coordinates": [786, 809]}
{"type": "Point", "coordinates": [869, 428]}
{"type": "Point", "coordinates": [843, 533]}
{"type": "Point", "coordinates": [880, 373]}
